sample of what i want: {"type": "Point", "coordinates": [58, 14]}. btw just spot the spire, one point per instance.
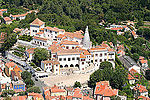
{"type": "Point", "coordinates": [86, 39]}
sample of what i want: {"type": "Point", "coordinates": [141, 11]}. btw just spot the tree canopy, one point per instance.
{"type": "Point", "coordinates": [34, 89]}
{"type": "Point", "coordinates": [39, 55]}
{"type": "Point", "coordinates": [77, 84]}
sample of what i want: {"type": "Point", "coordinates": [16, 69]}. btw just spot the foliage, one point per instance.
{"type": "Point", "coordinates": [38, 69]}
{"type": "Point", "coordinates": [135, 56]}
{"type": "Point", "coordinates": [18, 54]}
{"type": "Point", "coordinates": [34, 89]}
{"type": "Point", "coordinates": [5, 93]}
{"type": "Point", "coordinates": [25, 38]}
{"type": "Point", "coordinates": [147, 74]}
{"type": "Point", "coordinates": [29, 82]}
{"type": "Point", "coordinates": [77, 84]}
{"type": "Point", "coordinates": [25, 75]}
{"type": "Point", "coordinates": [117, 77]}
{"type": "Point", "coordinates": [22, 93]}
{"type": "Point", "coordinates": [105, 64]}
{"type": "Point", "coordinates": [39, 55]}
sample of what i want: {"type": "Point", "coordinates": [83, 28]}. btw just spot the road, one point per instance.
{"type": "Point", "coordinates": [38, 83]}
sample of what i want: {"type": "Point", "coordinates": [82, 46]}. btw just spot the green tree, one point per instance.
{"type": "Point", "coordinates": [26, 75]}
{"type": "Point", "coordinates": [29, 83]}
{"type": "Point", "coordinates": [147, 74]}
{"type": "Point", "coordinates": [77, 84]}
{"type": "Point", "coordinates": [135, 56]}
{"type": "Point", "coordinates": [105, 64]}
{"type": "Point", "coordinates": [39, 55]}
{"type": "Point", "coordinates": [34, 89]}
{"type": "Point", "coordinates": [5, 93]}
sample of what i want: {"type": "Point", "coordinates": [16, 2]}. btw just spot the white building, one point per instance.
{"type": "Point", "coordinates": [52, 66]}
{"type": "Point", "coordinates": [35, 26]}
{"type": "Point", "coordinates": [20, 17]}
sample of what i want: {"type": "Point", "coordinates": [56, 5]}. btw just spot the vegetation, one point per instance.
{"type": "Point", "coordinates": [39, 55]}
{"type": "Point", "coordinates": [34, 89]}
{"type": "Point", "coordinates": [27, 38]}
{"type": "Point", "coordinates": [26, 76]}
{"type": "Point", "coordinates": [18, 54]}
{"type": "Point", "coordinates": [5, 93]}
{"type": "Point", "coordinates": [77, 84]}
{"type": "Point", "coordinates": [105, 64]}
{"type": "Point", "coordinates": [117, 77]}
{"type": "Point", "coordinates": [147, 74]}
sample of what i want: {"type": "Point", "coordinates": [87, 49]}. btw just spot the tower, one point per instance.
{"type": "Point", "coordinates": [86, 39]}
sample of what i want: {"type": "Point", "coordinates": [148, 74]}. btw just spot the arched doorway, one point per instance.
{"type": "Point", "coordinates": [71, 65]}
{"type": "Point", "coordinates": [66, 65]}
{"type": "Point", "coordinates": [61, 66]}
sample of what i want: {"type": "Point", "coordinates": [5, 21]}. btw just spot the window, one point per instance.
{"type": "Point", "coordinates": [82, 59]}
{"type": "Point", "coordinates": [72, 47]}
{"type": "Point", "coordinates": [68, 59]}
{"type": "Point", "coordinates": [67, 47]}
{"type": "Point", "coordinates": [95, 60]}
{"type": "Point", "coordinates": [100, 54]}
{"type": "Point", "coordinates": [35, 30]}
{"type": "Point", "coordinates": [46, 30]}
{"type": "Point", "coordinates": [77, 58]}
{"type": "Point", "coordinates": [110, 59]}
{"type": "Point", "coordinates": [82, 68]}
{"type": "Point", "coordinates": [50, 31]}
{"type": "Point", "coordinates": [96, 54]}
{"type": "Point", "coordinates": [49, 63]}
{"type": "Point", "coordinates": [54, 55]}
{"type": "Point", "coordinates": [55, 32]}
{"type": "Point", "coordinates": [46, 64]}
{"type": "Point", "coordinates": [82, 63]}
{"type": "Point", "coordinates": [104, 59]}
{"type": "Point", "coordinates": [73, 58]}
{"type": "Point", "coordinates": [100, 60]}
{"type": "Point", "coordinates": [64, 59]}
{"type": "Point", "coordinates": [105, 54]}
{"type": "Point", "coordinates": [60, 59]}
{"type": "Point", "coordinates": [56, 69]}
{"type": "Point", "coordinates": [55, 36]}
{"type": "Point", "coordinates": [48, 35]}
{"type": "Point", "coordinates": [56, 65]}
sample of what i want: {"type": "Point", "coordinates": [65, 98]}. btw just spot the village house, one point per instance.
{"type": "Point", "coordinates": [29, 52]}
{"type": "Point", "coordinates": [20, 17]}
{"type": "Point", "coordinates": [7, 20]}
{"type": "Point", "coordinates": [52, 66]}
{"type": "Point", "coordinates": [3, 10]}
{"type": "Point", "coordinates": [143, 62]}
{"type": "Point", "coordinates": [34, 96]}
{"type": "Point", "coordinates": [35, 26]}
{"type": "Point", "coordinates": [103, 91]}
{"type": "Point", "coordinates": [140, 90]}
{"type": "Point", "coordinates": [131, 79]}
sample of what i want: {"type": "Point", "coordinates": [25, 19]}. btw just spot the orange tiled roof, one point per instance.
{"type": "Point", "coordinates": [130, 77]}
{"type": "Point", "coordinates": [98, 49]}
{"type": "Point", "coordinates": [7, 19]}
{"type": "Point", "coordinates": [60, 36]}
{"type": "Point", "coordinates": [31, 50]}
{"type": "Point", "coordinates": [19, 98]}
{"type": "Point", "coordinates": [68, 52]}
{"type": "Point", "coordinates": [119, 28]}
{"type": "Point", "coordinates": [133, 71]}
{"type": "Point", "coordinates": [10, 64]}
{"type": "Point", "coordinates": [110, 49]}
{"type": "Point", "coordinates": [141, 58]}
{"type": "Point", "coordinates": [133, 33]}
{"type": "Point", "coordinates": [55, 89]}
{"type": "Point", "coordinates": [36, 95]}
{"type": "Point", "coordinates": [39, 38]}
{"type": "Point", "coordinates": [69, 42]}
{"type": "Point", "coordinates": [140, 88]}
{"type": "Point", "coordinates": [77, 93]}
{"type": "Point", "coordinates": [54, 29]}
{"type": "Point", "coordinates": [82, 56]}
{"type": "Point", "coordinates": [87, 98]}
{"type": "Point", "coordinates": [86, 52]}
{"type": "Point", "coordinates": [37, 22]}
{"type": "Point", "coordinates": [143, 98]}
{"type": "Point", "coordinates": [21, 15]}
{"type": "Point", "coordinates": [143, 61]}
{"type": "Point", "coordinates": [51, 61]}
{"type": "Point", "coordinates": [73, 35]}
{"type": "Point", "coordinates": [3, 9]}
{"type": "Point", "coordinates": [40, 33]}
{"type": "Point", "coordinates": [104, 89]}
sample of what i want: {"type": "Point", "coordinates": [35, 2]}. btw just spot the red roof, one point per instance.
{"type": "Point", "coordinates": [31, 50]}
{"type": "Point", "coordinates": [40, 33]}
{"type": "Point", "coordinates": [7, 19]}
{"type": "Point", "coordinates": [140, 88]}
{"type": "Point", "coordinates": [37, 22]}
{"type": "Point", "coordinates": [143, 61]}
{"type": "Point", "coordinates": [39, 38]}
{"type": "Point", "coordinates": [3, 9]}
{"type": "Point", "coordinates": [56, 89]}
{"type": "Point", "coordinates": [143, 98]}
{"type": "Point", "coordinates": [130, 77]}
{"type": "Point", "coordinates": [10, 64]}
{"type": "Point", "coordinates": [21, 15]}
{"type": "Point", "coordinates": [69, 42]}
{"type": "Point", "coordinates": [103, 88]}
{"type": "Point", "coordinates": [77, 93]}
{"type": "Point", "coordinates": [119, 28]}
